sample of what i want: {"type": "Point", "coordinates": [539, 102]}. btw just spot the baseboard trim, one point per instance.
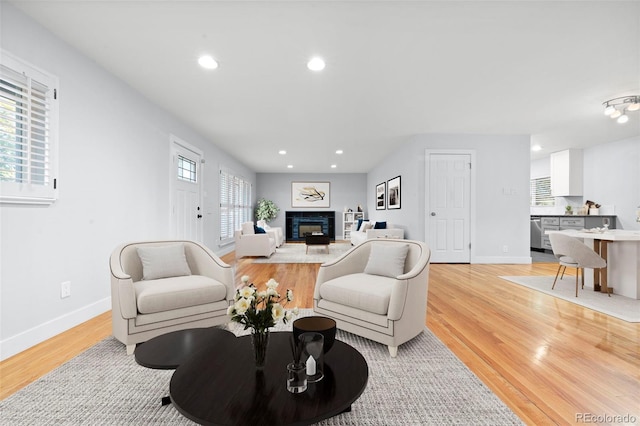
{"type": "Point", "coordinates": [502, 260]}
{"type": "Point", "coordinates": [38, 334]}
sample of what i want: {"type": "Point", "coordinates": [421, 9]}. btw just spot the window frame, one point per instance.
{"type": "Point", "coordinates": [540, 192]}
{"type": "Point", "coordinates": [28, 193]}
{"type": "Point", "coordinates": [235, 204]}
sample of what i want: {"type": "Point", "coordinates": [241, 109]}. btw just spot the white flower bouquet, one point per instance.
{"type": "Point", "coordinates": [260, 310]}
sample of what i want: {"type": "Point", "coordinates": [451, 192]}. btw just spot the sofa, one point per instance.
{"type": "Point", "coordinates": [365, 231]}
{"type": "Point", "coordinates": [163, 286]}
{"type": "Point", "coordinates": [250, 243]}
{"type": "Point", "coordinates": [377, 290]}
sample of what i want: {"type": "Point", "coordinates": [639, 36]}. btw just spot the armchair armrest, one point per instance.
{"type": "Point", "coordinates": [206, 263]}
{"type": "Point", "coordinates": [351, 262]}
{"type": "Point", "coordinates": [122, 287]}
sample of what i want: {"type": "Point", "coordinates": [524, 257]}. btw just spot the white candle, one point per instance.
{"type": "Point", "coordinates": [311, 366]}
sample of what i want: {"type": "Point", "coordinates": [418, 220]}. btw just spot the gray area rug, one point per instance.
{"type": "Point", "coordinates": [297, 253]}
{"type": "Point", "coordinates": [617, 306]}
{"type": "Point", "coordinates": [425, 385]}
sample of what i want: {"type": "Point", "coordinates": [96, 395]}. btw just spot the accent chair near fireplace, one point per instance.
{"type": "Point", "coordinates": [248, 243]}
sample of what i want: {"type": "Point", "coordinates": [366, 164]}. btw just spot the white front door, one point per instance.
{"type": "Point", "coordinates": [186, 192]}
{"type": "Point", "coordinates": [449, 207]}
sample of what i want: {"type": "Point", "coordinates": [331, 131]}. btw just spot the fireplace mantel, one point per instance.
{"type": "Point", "coordinates": [308, 220]}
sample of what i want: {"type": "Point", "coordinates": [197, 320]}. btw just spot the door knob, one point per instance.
{"type": "Point", "coordinates": [199, 216]}
{"type": "Point", "coordinates": [433, 213]}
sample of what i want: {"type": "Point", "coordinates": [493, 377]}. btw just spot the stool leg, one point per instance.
{"type": "Point", "coordinates": [554, 281]}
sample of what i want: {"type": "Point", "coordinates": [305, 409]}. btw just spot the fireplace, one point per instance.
{"type": "Point", "coordinates": [304, 223]}
{"type": "Point", "coordinates": [307, 228]}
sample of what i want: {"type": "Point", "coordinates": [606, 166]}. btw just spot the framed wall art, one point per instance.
{"type": "Point", "coordinates": [394, 194]}
{"type": "Point", "coordinates": [381, 196]}
{"type": "Point", "coordinates": [310, 194]}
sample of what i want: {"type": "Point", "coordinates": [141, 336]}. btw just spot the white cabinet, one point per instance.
{"type": "Point", "coordinates": [566, 173]}
{"type": "Point", "coordinates": [348, 220]}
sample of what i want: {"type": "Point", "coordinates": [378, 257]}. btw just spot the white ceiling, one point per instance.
{"type": "Point", "coordinates": [394, 69]}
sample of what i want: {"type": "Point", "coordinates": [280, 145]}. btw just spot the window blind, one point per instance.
{"type": "Point", "coordinates": [27, 137]}
{"type": "Point", "coordinates": [235, 204]}
{"type": "Point", "coordinates": [541, 192]}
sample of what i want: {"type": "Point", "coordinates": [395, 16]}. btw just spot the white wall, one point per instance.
{"type": "Point", "coordinates": [114, 187]}
{"type": "Point", "coordinates": [612, 178]}
{"type": "Point", "coordinates": [502, 162]}
{"type": "Point", "coordinates": [346, 190]}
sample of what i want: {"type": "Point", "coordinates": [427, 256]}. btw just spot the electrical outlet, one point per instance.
{"type": "Point", "coordinates": [505, 249]}
{"type": "Point", "coordinates": [65, 289]}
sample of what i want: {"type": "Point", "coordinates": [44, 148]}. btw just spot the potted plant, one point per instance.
{"type": "Point", "coordinates": [568, 210]}
{"type": "Point", "coordinates": [266, 210]}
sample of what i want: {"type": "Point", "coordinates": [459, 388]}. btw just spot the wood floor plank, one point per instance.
{"type": "Point", "coordinates": [546, 358]}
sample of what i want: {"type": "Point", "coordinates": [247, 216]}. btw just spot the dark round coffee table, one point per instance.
{"type": "Point", "coordinates": [168, 351]}
{"type": "Point", "coordinates": [221, 386]}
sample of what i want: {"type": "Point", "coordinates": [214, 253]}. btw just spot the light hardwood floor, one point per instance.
{"type": "Point", "coordinates": [547, 359]}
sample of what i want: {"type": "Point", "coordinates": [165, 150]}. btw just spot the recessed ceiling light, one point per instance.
{"type": "Point", "coordinates": [339, 152]}
{"type": "Point", "coordinates": [333, 166]}
{"type": "Point", "coordinates": [316, 64]}
{"type": "Point", "coordinates": [282, 152]}
{"type": "Point", "coordinates": [207, 61]}
{"type": "Point", "coordinates": [290, 166]}
{"type": "Point", "coordinates": [536, 148]}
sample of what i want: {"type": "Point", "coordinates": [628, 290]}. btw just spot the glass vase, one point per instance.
{"type": "Point", "coordinates": [260, 342]}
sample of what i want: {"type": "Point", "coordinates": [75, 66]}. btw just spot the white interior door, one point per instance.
{"type": "Point", "coordinates": [186, 178]}
{"type": "Point", "coordinates": [449, 207]}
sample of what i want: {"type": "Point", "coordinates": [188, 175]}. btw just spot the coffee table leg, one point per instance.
{"type": "Point", "coordinates": [166, 400]}
{"type": "Point", "coordinates": [347, 410]}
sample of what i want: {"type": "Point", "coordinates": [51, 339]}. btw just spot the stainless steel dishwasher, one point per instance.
{"type": "Point", "coordinates": [536, 233]}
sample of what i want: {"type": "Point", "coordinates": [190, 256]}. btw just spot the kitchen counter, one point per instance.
{"type": "Point", "coordinates": [556, 222]}
{"type": "Point", "coordinates": [573, 215]}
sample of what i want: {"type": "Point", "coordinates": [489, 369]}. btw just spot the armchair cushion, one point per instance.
{"type": "Point", "coordinates": [178, 292]}
{"type": "Point", "coordinates": [370, 293]}
{"type": "Point", "coordinates": [259, 230]}
{"type": "Point", "coordinates": [163, 261]}
{"type": "Point", "coordinates": [387, 260]}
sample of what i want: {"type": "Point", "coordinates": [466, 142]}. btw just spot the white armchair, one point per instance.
{"type": "Point", "coordinates": [275, 232]}
{"type": "Point", "coordinates": [163, 286]}
{"type": "Point", "coordinates": [377, 290]}
{"type": "Point", "coordinates": [248, 243]}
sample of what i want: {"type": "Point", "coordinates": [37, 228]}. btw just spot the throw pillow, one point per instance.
{"type": "Point", "coordinates": [259, 230]}
{"type": "Point", "coordinates": [387, 259]}
{"type": "Point", "coordinates": [247, 228]}
{"type": "Point", "coordinates": [366, 226]}
{"type": "Point", "coordinates": [380, 225]}
{"type": "Point", "coordinates": [362, 224]}
{"type": "Point", "coordinates": [163, 261]}
{"type": "Point", "coordinates": [359, 224]}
